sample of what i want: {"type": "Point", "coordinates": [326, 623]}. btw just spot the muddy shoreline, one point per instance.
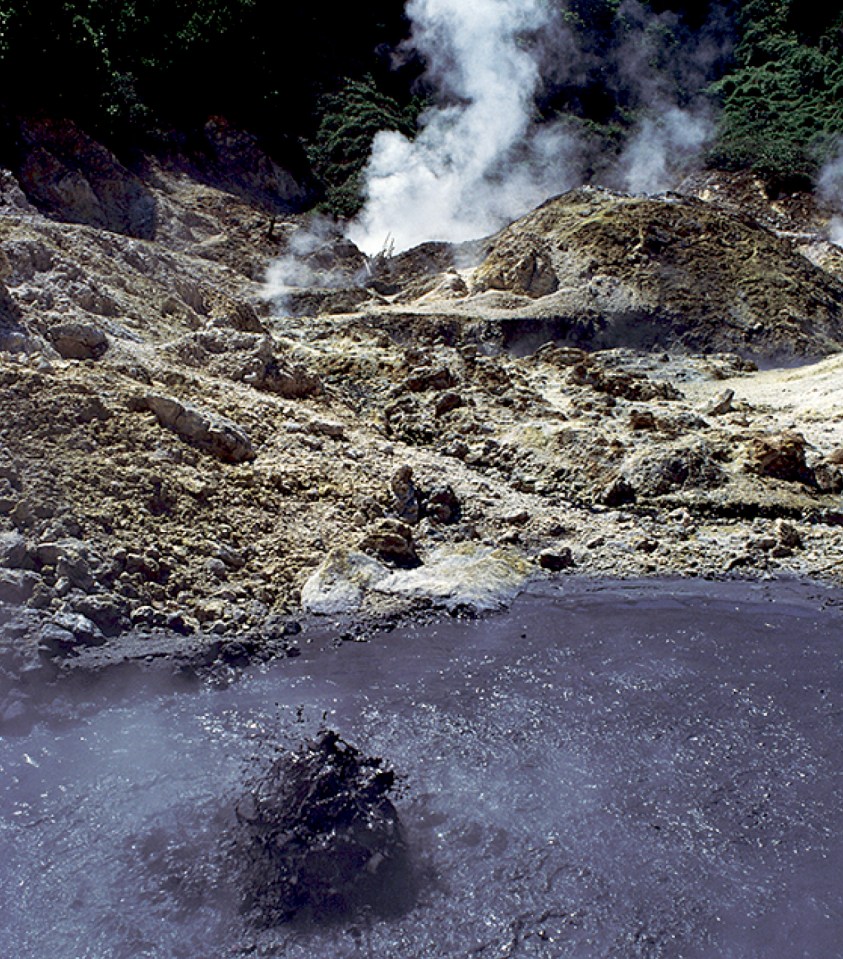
{"type": "Point", "coordinates": [44, 688]}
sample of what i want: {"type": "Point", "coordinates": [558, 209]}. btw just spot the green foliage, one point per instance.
{"type": "Point", "coordinates": [783, 100]}
{"type": "Point", "coordinates": [123, 67]}
{"type": "Point", "coordinates": [349, 121]}
{"type": "Point", "coordinates": [127, 69]}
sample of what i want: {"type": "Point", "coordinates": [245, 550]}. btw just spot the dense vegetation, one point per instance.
{"type": "Point", "coordinates": [783, 96]}
{"type": "Point", "coordinates": [130, 70]}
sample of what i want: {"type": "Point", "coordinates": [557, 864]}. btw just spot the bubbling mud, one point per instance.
{"type": "Point", "coordinates": [607, 770]}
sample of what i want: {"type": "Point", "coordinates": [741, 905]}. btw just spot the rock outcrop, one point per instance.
{"type": "Point", "coordinates": [66, 174]}
{"type": "Point", "coordinates": [615, 270]}
{"type": "Point", "coordinates": [214, 434]}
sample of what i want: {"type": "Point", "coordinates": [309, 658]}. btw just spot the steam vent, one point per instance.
{"type": "Point", "coordinates": [321, 835]}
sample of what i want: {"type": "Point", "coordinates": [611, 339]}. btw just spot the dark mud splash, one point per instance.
{"type": "Point", "coordinates": [320, 838]}
{"type": "Point", "coordinates": [628, 771]}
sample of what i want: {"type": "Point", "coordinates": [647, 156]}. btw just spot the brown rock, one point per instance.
{"type": "Point", "coordinates": [618, 493]}
{"type": "Point", "coordinates": [79, 341]}
{"type": "Point", "coordinates": [67, 174]}
{"type": "Point", "coordinates": [641, 420]}
{"type": "Point", "coordinates": [781, 457]}
{"type": "Point", "coordinates": [392, 542]}
{"type": "Point", "coordinates": [516, 269]}
{"type": "Point", "coordinates": [430, 378]}
{"type": "Point", "coordinates": [788, 535]}
{"type": "Point", "coordinates": [405, 503]}
{"type": "Point", "coordinates": [441, 505]}
{"type": "Point", "coordinates": [720, 404]}
{"type": "Point", "coordinates": [555, 560]}
{"type": "Point", "coordinates": [447, 402]}
{"type": "Point", "coordinates": [828, 477]}
{"type": "Point", "coordinates": [214, 434]}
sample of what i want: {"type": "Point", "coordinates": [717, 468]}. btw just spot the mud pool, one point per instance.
{"type": "Point", "coordinates": [607, 770]}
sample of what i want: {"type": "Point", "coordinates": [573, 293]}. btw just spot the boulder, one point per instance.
{"type": "Point", "coordinates": [828, 477]}
{"type": "Point", "coordinates": [722, 403]}
{"type": "Point", "coordinates": [392, 542]}
{"type": "Point", "coordinates": [441, 504]}
{"type": "Point", "coordinates": [519, 267]}
{"type": "Point", "coordinates": [426, 378]}
{"type": "Point", "coordinates": [68, 632]}
{"type": "Point", "coordinates": [249, 357]}
{"type": "Point", "coordinates": [780, 456]}
{"type": "Point", "coordinates": [339, 584]}
{"type": "Point", "coordinates": [106, 612]}
{"type": "Point", "coordinates": [621, 383]}
{"type": "Point", "coordinates": [72, 561]}
{"type": "Point", "coordinates": [17, 586]}
{"type": "Point", "coordinates": [555, 560]}
{"type": "Point", "coordinates": [78, 341]}
{"type": "Point", "coordinates": [208, 431]}
{"type": "Point", "coordinates": [13, 551]}
{"type": "Point", "coordinates": [616, 493]}
{"type": "Point", "coordinates": [405, 503]}
{"type": "Point", "coordinates": [689, 465]}
{"type": "Point", "coordinates": [462, 579]}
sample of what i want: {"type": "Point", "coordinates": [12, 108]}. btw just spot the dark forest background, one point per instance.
{"type": "Point", "coordinates": [324, 82]}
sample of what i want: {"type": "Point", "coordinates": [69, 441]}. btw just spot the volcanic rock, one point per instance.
{"type": "Point", "coordinates": [79, 341]}
{"type": "Point", "coordinates": [722, 403]}
{"type": "Point", "coordinates": [392, 542]}
{"type": "Point", "coordinates": [405, 502]}
{"type": "Point", "coordinates": [14, 553]}
{"type": "Point", "coordinates": [604, 269]}
{"type": "Point", "coordinates": [16, 586]}
{"type": "Point", "coordinates": [212, 433]}
{"type": "Point", "coordinates": [555, 560]}
{"type": "Point", "coordinates": [781, 456]}
{"type": "Point", "coordinates": [67, 174]}
{"type": "Point", "coordinates": [441, 504]}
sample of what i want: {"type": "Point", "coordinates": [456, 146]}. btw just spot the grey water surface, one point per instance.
{"type": "Point", "coordinates": [647, 769]}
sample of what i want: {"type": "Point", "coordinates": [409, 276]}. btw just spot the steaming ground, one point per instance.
{"type": "Point", "coordinates": [181, 459]}
{"type": "Point", "coordinates": [480, 158]}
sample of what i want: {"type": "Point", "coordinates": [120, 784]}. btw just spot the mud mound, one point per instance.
{"type": "Point", "coordinates": [320, 833]}
{"type": "Point", "coordinates": [603, 269]}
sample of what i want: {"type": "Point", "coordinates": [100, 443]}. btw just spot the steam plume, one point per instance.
{"type": "Point", "coordinates": [475, 162]}
{"type": "Point", "coordinates": [480, 160]}
{"type": "Point", "coordinates": [662, 148]}
{"type": "Point", "coordinates": [830, 189]}
{"type": "Point", "coordinates": [312, 261]}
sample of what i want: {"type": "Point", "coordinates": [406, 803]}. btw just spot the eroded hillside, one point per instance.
{"type": "Point", "coordinates": [579, 393]}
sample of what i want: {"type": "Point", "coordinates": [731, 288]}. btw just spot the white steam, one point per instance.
{"type": "Point", "coordinates": [480, 159]}
{"type": "Point", "coordinates": [476, 161]}
{"type": "Point", "coordinates": [830, 189]}
{"type": "Point", "coordinates": [310, 262]}
{"type": "Point", "coordinates": [662, 149]}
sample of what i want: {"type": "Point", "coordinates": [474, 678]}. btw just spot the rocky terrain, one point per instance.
{"type": "Point", "coordinates": [611, 385]}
